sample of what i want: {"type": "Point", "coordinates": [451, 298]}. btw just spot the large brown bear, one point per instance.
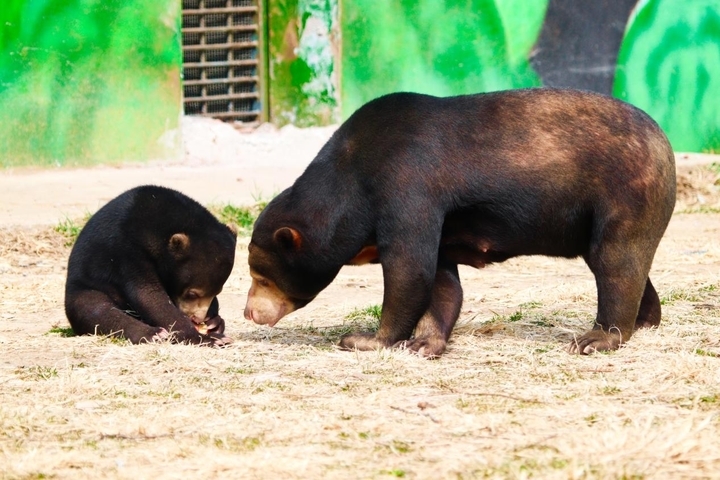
{"type": "Point", "coordinates": [148, 265]}
{"type": "Point", "coordinates": [422, 184]}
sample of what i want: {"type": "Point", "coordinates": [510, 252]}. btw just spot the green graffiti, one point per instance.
{"type": "Point", "coordinates": [83, 81]}
{"type": "Point", "coordinates": [440, 48]}
{"type": "Point", "coordinates": [302, 51]}
{"type": "Point", "coordinates": [522, 21]}
{"type": "Point", "coordinates": [669, 65]}
{"type": "Point", "coordinates": [314, 48]}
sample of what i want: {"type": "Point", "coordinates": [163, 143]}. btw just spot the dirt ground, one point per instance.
{"type": "Point", "coordinates": [506, 401]}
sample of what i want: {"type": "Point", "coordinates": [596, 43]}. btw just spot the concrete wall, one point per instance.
{"type": "Point", "coordinates": [303, 57]}
{"type": "Point", "coordinates": [437, 47]}
{"type": "Point", "coordinates": [88, 81]}
{"type": "Point", "coordinates": [661, 55]}
{"type": "Point", "coordinates": [669, 65]}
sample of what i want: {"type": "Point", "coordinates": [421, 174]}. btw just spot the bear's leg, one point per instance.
{"type": "Point", "coordinates": [650, 311]}
{"type": "Point", "coordinates": [155, 307]}
{"type": "Point", "coordinates": [91, 312]}
{"type": "Point", "coordinates": [434, 328]}
{"type": "Point", "coordinates": [408, 282]}
{"type": "Point", "coordinates": [621, 274]}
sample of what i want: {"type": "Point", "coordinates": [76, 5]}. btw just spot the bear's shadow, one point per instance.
{"type": "Point", "coordinates": [538, 327]}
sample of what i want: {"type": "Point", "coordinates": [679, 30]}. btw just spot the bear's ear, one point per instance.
{"type": "Point", "coordinates": [288, 238]}
{"type": "Point", "coordinates": [179, 244]}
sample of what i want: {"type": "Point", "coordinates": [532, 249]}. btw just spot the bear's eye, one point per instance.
{"type": "Point", "coordinates": [262, 282]}
{"type": "Point", "coordinates": [191, 295]}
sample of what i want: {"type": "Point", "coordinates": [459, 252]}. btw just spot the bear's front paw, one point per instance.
{"type": "Point", "coordinates": [217, 340]}
{"type": "Point", "coordinates": [215, 326]}
{"type": "Point", "coordinates": [428, 347]}
{"type": "Point", "coordinates": [160, 336]}
{"type": "Point", "coordinates": [595, 341]}
{"type": "Point", "coordinates": [146, 334]}
{"type": "Point", "coordinates": [361, 341]}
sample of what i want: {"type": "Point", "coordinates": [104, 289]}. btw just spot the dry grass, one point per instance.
{"type": "Point", "coordinates": [37, 243]}
{"type": "Point", "coordinates": [506, 401]}
{"type": "Point", "coordinates": [699, 188]}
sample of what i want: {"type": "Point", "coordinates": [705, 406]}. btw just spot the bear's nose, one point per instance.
{"type": "Point", "coordinates": [249, 314]}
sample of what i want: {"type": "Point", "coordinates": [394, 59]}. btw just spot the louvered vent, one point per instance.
{"type": "Point", "coordinates": [221, 59]}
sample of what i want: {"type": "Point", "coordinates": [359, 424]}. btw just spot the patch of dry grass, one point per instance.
{"type": "Point", "coordinates": [39, 243]}
{"type": "Point", "coordinates": [506, 401]}
{"type": "Point", "coordinates": [510, 404]}
{"type": "Point", "coordinates": [699, 188]}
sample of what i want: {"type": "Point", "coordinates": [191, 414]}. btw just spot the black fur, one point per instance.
{"type": "Point", "coordinates": [436, 182]}
{"type": "Point", "coordinates": [128, 270]}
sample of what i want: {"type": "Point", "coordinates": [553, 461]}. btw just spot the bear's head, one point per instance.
{"type": "Point", "coordinates": [201, 264]}
{"type": "Point", "coordinates": [286, 273]}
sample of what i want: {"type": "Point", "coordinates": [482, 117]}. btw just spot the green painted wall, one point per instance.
{"type": "Point", "coordinates": [88, 81]}
{"type": "Point", "coordinates": [669, 65]}
{"type": "Point", "coordinates": [438, 47]}
{"type": "Point", "coordinates": [303, 54]}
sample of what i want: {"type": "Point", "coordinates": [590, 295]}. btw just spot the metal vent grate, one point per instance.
{"type": "Point", "coordinates": [220, 59]}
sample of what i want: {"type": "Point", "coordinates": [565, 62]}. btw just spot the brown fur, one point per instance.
{"type": "Point", "coordinates": [422, 184]}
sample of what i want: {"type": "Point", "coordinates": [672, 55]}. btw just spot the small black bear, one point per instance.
{"type": "Point", "coordinates": [422, 184]}
{"type": "Point", "coordinates": [148, 265]}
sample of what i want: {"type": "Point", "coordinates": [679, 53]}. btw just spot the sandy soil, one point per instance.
{"type": "Point", "coordinates": [505, 402]}
{"type": "Point", "coordinates": [218, 165]}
